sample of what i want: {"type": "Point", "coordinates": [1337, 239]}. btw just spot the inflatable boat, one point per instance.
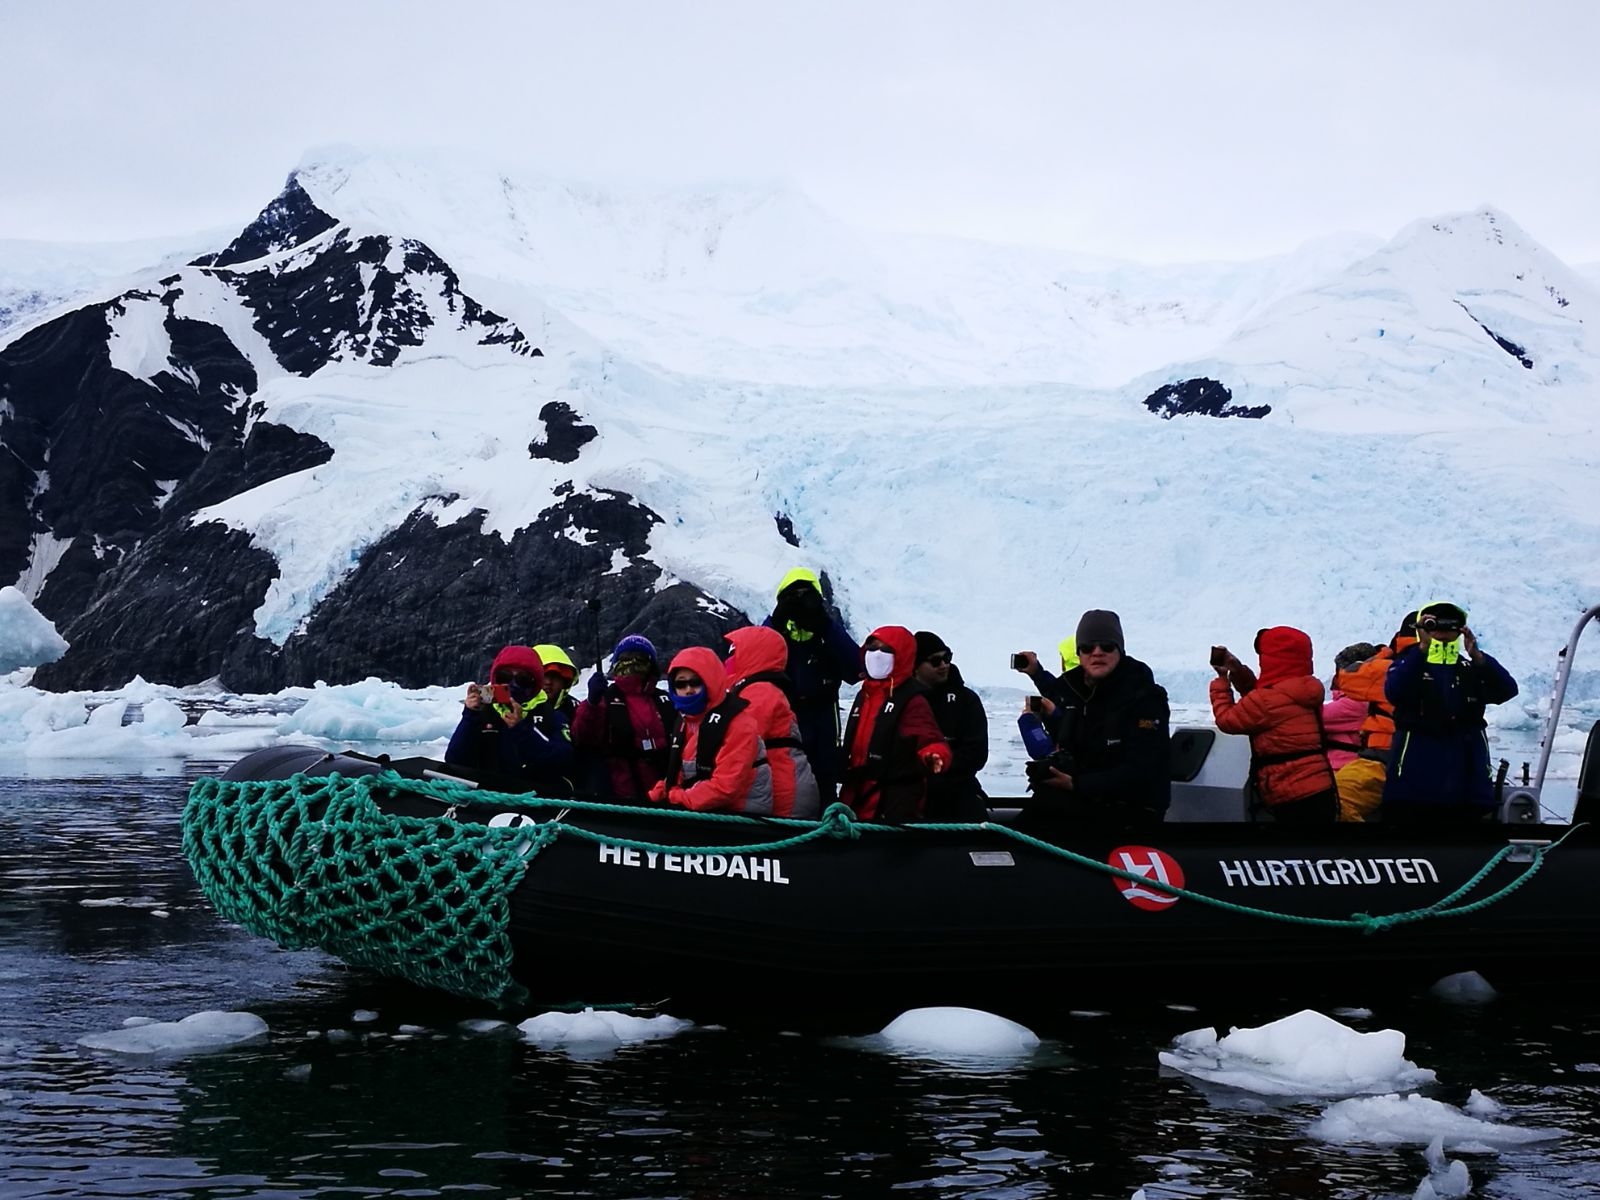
{"type": "Point", "coordinates": [412, 869]}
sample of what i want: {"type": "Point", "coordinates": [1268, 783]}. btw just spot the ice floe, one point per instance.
{"type": "Point", "coordinates": [596, 1033]}
{"type": "Point", "coordinates": [1467, 987]}
{"type": "Point", "coordinates": [195, 1034]}
{"type": "Point", "coordinates": [1417, 1120]}
{"type": "Point", "coordinates": [1307, 1054]}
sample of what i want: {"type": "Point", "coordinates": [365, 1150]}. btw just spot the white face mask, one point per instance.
{"type": "Point", "coordinates": [880, 663]}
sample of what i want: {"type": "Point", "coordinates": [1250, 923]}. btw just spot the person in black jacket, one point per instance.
{"type": "Point", "coordinates": [822, 655]}
{"type": "Point", "coordinates": [954, 794]}
{"type": "Point", "coordinates": [1112, 765]}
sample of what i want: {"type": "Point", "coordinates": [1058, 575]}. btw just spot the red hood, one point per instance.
{"type": "Point", "coordinates": [756, 648]}
{"type": "Point", "coordinates": [904, 644]}
{"type": "Point", "coordinates": [704, 662]}
{"type": "Point", "coordinates": [1285, 654]}
{"type": "Point", "coordinates": [519, 658]}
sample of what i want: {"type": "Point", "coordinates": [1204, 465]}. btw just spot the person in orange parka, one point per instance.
{"type": "Point", "coordinates": [755, 672]}
{"type": "Point", "coordinates": [892, 741]}
{"type": "Point", "coordinates": [1361, 782]}
{"type": "Point", "coordinates": [1282, 713]}
{"type": "Point", "coordinates": [716, 762]}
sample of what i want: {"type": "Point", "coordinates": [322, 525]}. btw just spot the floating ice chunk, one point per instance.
{"type": "Point", "coordinates": [27, 639]}
{"type": "Point", "coordinates": [1417, 1120]}
{"type": "Point", "coordinates": [1483, 1106]}
{"type": "Point", "coordinates": [1447, 1179]}
{"type": "Point", "coordinates": [138, 1022]}
{"type": "Point", "coordinates": [482, 1025]}
{"type": "Point", "coordinates": [26, 713]}
{"type": "Point", "coordinates": [299, 1073]}
{"type": "Point", "coordinates": [1307, 1054]}
{"type": "Point", "coordinates": [193, 1035]}
{"type": "Point", "coordinates": [595, 1034]}
{"type": "Point", "coordinates": [1353, 1014]}
{"type": "Point", "coordinates": [376, 711]}
{"type": "Point", "coordinates": [961, 1033]}
{"type": "Point", "coordinates": [1467, 987]}
{"type": "Point", "coordinates": [363, 1016]}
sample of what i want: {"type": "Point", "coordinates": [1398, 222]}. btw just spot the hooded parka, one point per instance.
{"type": "Point", "coordinates": [1282, 715]}
{"type": "Point", "coordinates": [892, 741]}
{"type": "Point", "coordinates": [717, 762]}
{"type": "Point", "coordinates": [755, 674]}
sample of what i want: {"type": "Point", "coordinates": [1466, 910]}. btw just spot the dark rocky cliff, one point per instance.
{"type": "Point", "coordinates": [120, 468]}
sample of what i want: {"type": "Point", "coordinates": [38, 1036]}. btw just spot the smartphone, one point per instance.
{"type": "Point", "coordinates": [495, 693]}
{"type": "Point", "coordinates": [1219, 656]}
{"type": "Point", "coordinates": [1036, 705]}
{"type": "Point", "coordinates": [1019, 662]}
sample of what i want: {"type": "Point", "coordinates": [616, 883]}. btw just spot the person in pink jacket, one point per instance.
{"type": "Point", "coordinates": [756, 672]}
{"type": "Point", "coordinates": [1343, 716]}
{"type": "Point", "coordinates": [622, 730]}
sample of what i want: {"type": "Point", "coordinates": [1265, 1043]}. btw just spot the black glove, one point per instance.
{"type": "Point", "coordinates": [597, 687]}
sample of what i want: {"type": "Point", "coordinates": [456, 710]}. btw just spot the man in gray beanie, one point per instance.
{"type": "Point", "coordinates": [1112, 764]}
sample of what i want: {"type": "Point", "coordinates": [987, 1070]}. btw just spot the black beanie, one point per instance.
{"type": "Point", "coordinates": [1101, 625]}
{"type": "Point", "coordinates": [928, 644]}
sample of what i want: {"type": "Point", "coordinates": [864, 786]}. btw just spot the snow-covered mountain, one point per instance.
{"type": "Point", "coordinates": [37, 278]}
{"type": "Point", "coordinates": [418, 408]}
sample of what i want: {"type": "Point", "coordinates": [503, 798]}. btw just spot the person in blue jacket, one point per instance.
{"type": "Point", "coordinates": [1439, 767]}
{"type": "Point", "coordinates": [510, 732]}
{"type": "Point", "coordinates": [822, 655]}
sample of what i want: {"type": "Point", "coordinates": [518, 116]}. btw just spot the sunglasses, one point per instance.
{"type": "Point", "coordinates": [1096, 648]}
{"type": "Point", "coordinates": [687, 685]}
{"type": "Point", "coordinates": [939, 660]}
{"type": "Point", "coordinates": [515, 679]}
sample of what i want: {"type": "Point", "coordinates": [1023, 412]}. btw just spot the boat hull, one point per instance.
{"type": "Point", "coordinates": [645, 906]}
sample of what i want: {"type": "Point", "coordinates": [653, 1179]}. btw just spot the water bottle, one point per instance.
{"type": "Point", "coordinates": [1039, 743]}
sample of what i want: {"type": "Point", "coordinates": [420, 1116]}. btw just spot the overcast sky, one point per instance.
{"type": "Point", "coordinates": [1157, 131]}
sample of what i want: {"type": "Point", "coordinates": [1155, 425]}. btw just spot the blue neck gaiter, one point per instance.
{"type": "Point", "coordinates": [691, 705]}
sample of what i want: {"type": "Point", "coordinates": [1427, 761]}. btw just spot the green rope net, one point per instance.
{"type": "Point", "coordinates": [314, 861]}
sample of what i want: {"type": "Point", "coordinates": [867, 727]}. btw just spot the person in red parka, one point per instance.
{"type": "Point", "coordinates": [1281, 710]}
{"type": "Point", "coordinates": [717, 762]}
{"type": "Point", "coordinates": [892, 741]}
{"type": "Point", "coordinates": [755, 673]}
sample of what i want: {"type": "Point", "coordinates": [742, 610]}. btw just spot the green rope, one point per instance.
{"type": "Point", "coordinates": [314, 861]}
{"type": "Point", "coordinates": [839, 820]}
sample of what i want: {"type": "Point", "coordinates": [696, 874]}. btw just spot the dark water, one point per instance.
{"type": "Point", "coordinates": [711, 1113]}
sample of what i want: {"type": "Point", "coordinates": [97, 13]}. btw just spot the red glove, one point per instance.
{"type": "Point", "coordinates": [658, 793]}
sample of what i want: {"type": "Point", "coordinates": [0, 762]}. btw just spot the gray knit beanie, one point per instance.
{"type": "Point", "coordinates": [1102, 626]}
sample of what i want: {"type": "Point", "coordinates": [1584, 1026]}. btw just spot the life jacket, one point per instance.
{"type": "Point", "coordinates": [887, 760]}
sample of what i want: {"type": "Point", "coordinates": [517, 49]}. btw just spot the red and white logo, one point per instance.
{"type": "Point", "coordinates": [1150, 864]}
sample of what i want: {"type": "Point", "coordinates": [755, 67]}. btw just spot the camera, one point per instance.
{"type": "Point", "coordinates": [1440, 625]}
{"type": "Point", "coordinates": [1036, 705]}
{"type": "Point", "coordinates": [494, 693]}
{"type": "Point", "coordinates": [1219, 656]}
{"type": "Point", "coordinates": [1038, 769]}
{"type": "Point", "coordinates": [1019, 662]}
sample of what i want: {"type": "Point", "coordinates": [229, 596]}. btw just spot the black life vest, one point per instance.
{"type": "Point", "coordinates": [889, 757]}
{"type": "Point", "coordinates": [713, 733]}
{"type": "Point", "coordinates": [781, 681]}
